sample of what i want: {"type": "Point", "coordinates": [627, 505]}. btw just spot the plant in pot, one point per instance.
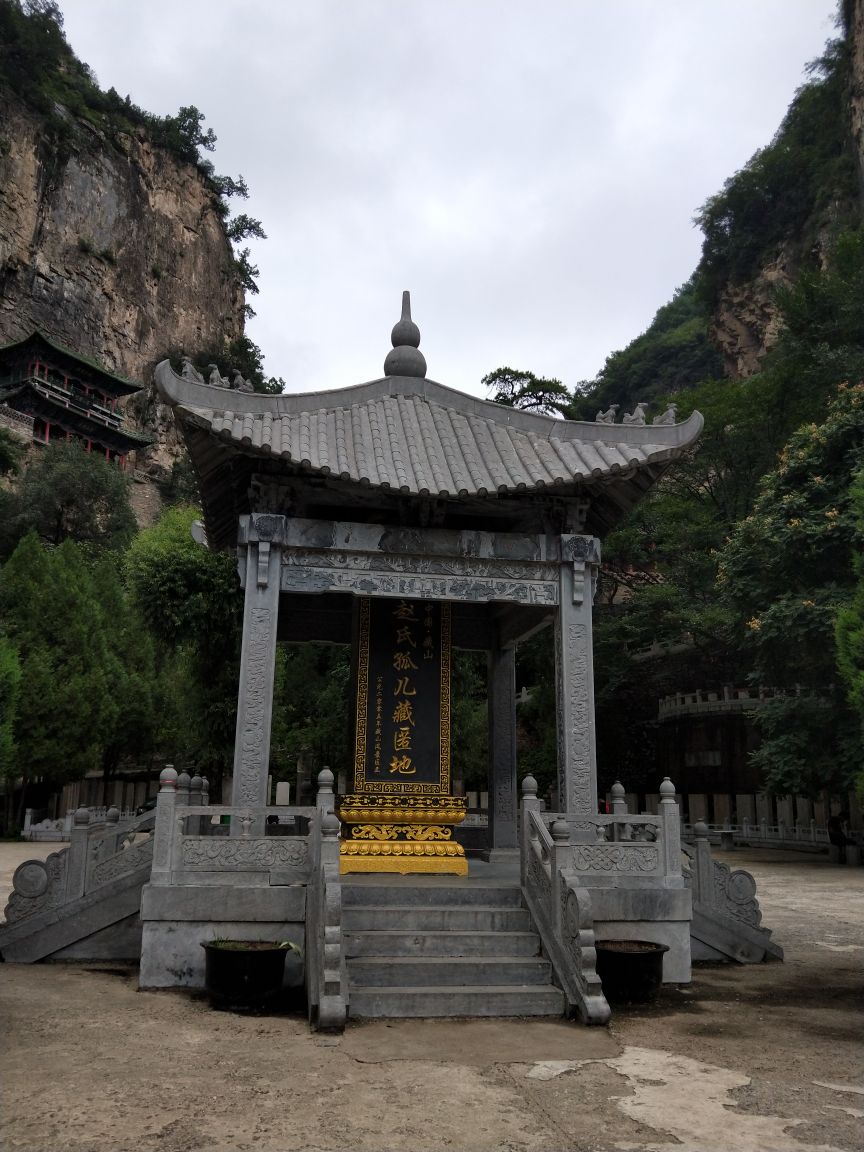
{"type": "Point", "coordinates": [245, 973]}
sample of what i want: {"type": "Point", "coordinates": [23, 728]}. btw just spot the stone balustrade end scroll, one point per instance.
{"type": "Point", "coordinates": [326, 975]}
{"type": "Point", "coordinates": [560, 908]}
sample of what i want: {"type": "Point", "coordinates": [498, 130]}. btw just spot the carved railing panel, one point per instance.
{"type": "Point", "coordinates": [239, 854]}
{"type": "Point", "coordinates": [727, 891]}
{"type": "Point", "coordinates": [735, 894]}
{"type": "Point", "coordinates": [122, 863]}
{"type": "Point", "coordinates": [638, 859]}
{"type": "Point", "coordinates": [37, 886]}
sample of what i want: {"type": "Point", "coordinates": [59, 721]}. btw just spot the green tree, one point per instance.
{"type": "Point", "coordinates": [190, 601]}
{"type": "Point", "coordinates": [68, 494]}
{"type": "Point", "coordinates": [469, 720]}
{"type": "Point", "coordinates": [311, 709]}
{"type": "Point", "coordinates": [132, 711]}
{"type": "Point", "coordinates": [525, 390]}
{"type": "Point", "coordinates": [11, 451]}
{"type": "Point", "coordinates": [672, 356]}
{"type": "Point", "coordinates": [52, 615]}
{"type": "Point", "coordinates": [850, 619]}
{"type": "Point", "coordinates": [787, 574]}
{"type": "Point", "coordinates": [10, 678]}
{"type": "Point", "coordinates": [243, 226]}
{"type": "Point", "coordinates": [789, 190]}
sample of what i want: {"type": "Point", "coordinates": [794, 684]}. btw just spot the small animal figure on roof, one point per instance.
{"type": "Point", "coordinates": [607, 417]}
{"type": "Point", "coordinates": [668, 416]}
{"type": "Point", "coordinates": [637, 416]}
{"type": "Point", "coordinates": [216, 377]}
{"type": "Point", "coordinates": [190, 372]}
{"type": "Point", "coordinates": [239, 384]}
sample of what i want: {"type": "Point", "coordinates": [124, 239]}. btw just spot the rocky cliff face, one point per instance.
{"type": "Point", "coordinates": [746, 320]}
{"type": "Point", "coordinates": [116, 250]}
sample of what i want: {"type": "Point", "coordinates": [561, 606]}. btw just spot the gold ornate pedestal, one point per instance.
{"type": "Point", "coordinates": [405, 834]}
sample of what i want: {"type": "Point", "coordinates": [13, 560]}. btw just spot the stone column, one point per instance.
{"type": "Point", "coordinates": [164, 826]}
{"type": "Point", "coordinates": [574, 677]}
{"type": "Point", "coordinates": [260, 545]}
{"type": "Point", "coordinates": [76, 864]}
{"type": "Point", "coordinates": [503, 797]}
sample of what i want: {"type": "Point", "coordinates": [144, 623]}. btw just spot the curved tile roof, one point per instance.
{"type": "Point", "coordinates": [414, 436]}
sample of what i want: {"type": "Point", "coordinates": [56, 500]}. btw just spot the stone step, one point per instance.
{"type": "Point", "coordinates": [447, 971]}
{"type": "Point", "coordinates": [398, 943]}
{"type": "Point", "coordinates": [423, 895]}
{"type": "Point", "coordinates": [505, 1000]}
{"type": "Point", "coordinates": [436, 918]}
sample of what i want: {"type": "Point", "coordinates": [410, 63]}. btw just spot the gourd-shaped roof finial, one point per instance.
{"type": "Point", "coordinates": [405, 358]}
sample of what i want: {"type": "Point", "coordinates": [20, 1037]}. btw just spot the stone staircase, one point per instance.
{"type": "Point", "coordinates": [421, 949]}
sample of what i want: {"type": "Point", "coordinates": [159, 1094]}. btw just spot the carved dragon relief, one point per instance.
{"type": "Point", "coordinates": [216, 854]}
{"type": "Point", "coordinates": [476, 568]}
{"type": "Point", "coordinates": [373, 583]}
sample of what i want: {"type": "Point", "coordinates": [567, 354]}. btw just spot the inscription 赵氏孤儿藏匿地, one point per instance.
{"type": "Point", "coordinates": [403, 732]}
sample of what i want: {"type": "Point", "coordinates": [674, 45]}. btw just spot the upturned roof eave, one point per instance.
{"type": "Point", "coordinates": [191, 396]}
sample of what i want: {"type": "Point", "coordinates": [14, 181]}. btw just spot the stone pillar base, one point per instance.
{"type": "Point", "coordinates": [388, 833]}
{"type": "Point", "coordinates": [403, 858]}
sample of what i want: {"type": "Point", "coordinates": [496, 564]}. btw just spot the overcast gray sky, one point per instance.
{"type": "Point", "coordinates": [530, 170]}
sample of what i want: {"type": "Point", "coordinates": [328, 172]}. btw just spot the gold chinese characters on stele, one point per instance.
{"type": "Point", "coordinates": [400, 813]}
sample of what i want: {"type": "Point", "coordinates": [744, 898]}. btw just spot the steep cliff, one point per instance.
{"type": "Point", "coordinates": [783, 210]}
{"type": "Point", "coordinates": [116, 248]}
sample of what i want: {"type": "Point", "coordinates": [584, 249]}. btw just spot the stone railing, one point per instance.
{"type": "Point", "coordinates": [726, 700]}
{"type": "Point", "coordinates": [61, 829]}
{"type": "Point", "coordinates": [17, 423]}
{"type": "Point", "coordinates": [561, 860]}
{"type": "Point", "coordinates": [99, 852]}
{"type": "Point", "coordinates": [764, 835]}
{"type": "Point", "coordinates": [193, 838]}
{"type": "Point", "coordinates": [221, 844]}
{"type": "Point", "coordinates": [726, 912]}
{"type": "Point", "coordinates": [326, 975]}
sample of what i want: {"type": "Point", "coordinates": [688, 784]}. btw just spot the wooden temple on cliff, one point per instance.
{"type": "Point", "coordinates": [50, 393]}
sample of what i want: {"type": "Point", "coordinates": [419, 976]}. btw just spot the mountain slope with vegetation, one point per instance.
{"type": "Point", "coordinates": [737, 567]}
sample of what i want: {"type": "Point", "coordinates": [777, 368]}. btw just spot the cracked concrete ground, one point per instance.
{"type": "Point", "coordinates": [760, 1059]}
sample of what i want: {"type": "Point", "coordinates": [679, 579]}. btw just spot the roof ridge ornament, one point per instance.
{"type": "Point", "coordinates": [405, 358]}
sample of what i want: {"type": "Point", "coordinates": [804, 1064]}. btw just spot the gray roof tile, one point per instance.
{"type": "Point", "coordinates": [416, 436]}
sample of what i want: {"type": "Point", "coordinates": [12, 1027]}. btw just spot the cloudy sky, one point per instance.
{"type": "Point", "coordinates": [530, 170]}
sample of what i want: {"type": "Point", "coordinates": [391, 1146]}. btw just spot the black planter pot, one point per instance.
{"type": "Point", "coordinates": [244, 973]}
{"type": "Point", "coordinates": [631, 971]}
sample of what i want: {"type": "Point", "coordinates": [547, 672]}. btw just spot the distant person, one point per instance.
{"type": "Point", "coordinates": [838, 829]}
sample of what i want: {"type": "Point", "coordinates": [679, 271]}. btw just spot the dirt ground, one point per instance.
{"type": "Point", "coordinates": [767, 1058]}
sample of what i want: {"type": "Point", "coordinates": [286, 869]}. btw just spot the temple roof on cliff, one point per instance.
{"type": "Point", "coordinates": [38, 343]}
{"type": "Point", "coordinates": [404, 449]}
